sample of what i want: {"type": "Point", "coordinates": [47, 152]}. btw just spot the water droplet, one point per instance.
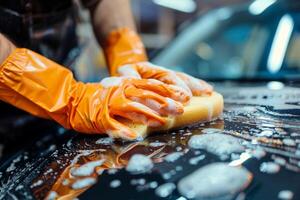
{"type": "Point", "coordinates": [157, 144]}
{"type": "Point", "coordinates": [112, 171]}
{"type": "Point", "coordinates": [265, 133]}
{"type": "Point", "coordinates": [172, 157]}
{"type": "Point", "coordinates": [153, 184]}
{"type": "Point", "coordinates": [269, 167]}
{"type": "Point", "coordinates": [178, 168]}
{"type": "Point", "coordinates": [279, 160]}
{"type": "Point", "coordinates": [52, 195]}
{"type": "Point", "coordinates": [196, 160]}
{"type": "Point", "coordinates": [82, 183]}
{"type": "Point", "coordinates": [115, 183]}
{"type": "Point", "coordinates": [140, 181]}
{"type": "Point", "coordinates": [165, 190]}
{"type": "Point", "coordinates": [139, 163]}
{"type": "Point", "coordinates": [289, 142]}
{"type": "Point", "coordinates": [285, 195]}
{"type": "Point", "coordinates": [86, 169]}
{"type": "Point", "coordinates": [105, 141]}
{"type": "Point", "coordinates": [258, 153]}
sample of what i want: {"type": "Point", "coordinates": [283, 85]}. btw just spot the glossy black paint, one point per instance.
{"type": "Point", "coordinates": [248, 111]}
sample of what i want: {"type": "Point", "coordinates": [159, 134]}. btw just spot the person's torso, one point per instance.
{"type": "Point", "coordinates": [47, 27]}
{"type": "Point", "coordinates": [35, 6]}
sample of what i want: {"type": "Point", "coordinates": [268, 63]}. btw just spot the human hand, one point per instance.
{"type": "Point", "coordinates": [43, 88]}
{"type": "Point", "coordinates": [126, 57]}
{"type": "Point", "coordinates": [147, 70]}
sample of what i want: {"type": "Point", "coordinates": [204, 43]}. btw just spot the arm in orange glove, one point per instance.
{"type": "Point", "coordinates": [126, 57]}
{"type": "Point", "coordinates": [44, 88]}
{"type": "Point", "coordinates": [125, 53]}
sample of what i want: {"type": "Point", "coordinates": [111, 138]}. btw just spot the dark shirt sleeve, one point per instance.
{"type": "Point", "coordinates": [89, 3]}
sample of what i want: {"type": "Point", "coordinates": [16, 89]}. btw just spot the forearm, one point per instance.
{"type": "Point", "coordinates": [6, 47]}
{"type": "Point", "coordinates": [109, 15]}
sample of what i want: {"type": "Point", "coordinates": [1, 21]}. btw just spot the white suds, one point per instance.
{"type": "Point", "coordinates": [12, 166]}
{"type": "Point", "coordinates": [172, 157]}
{"type": "Point", "coordinates": [265, 133]}
{"type": "Point", "coordinates": [215, 180]}
{"type": "Point", "coordinates": [19, 187]}
{"type": "Point", "coordinates": [216, 143]}
{"type": "Point", "coordinates": [111, 81]}
{"type": "Point", "coordinates": [65, 182]}
{"type": "Point", "coordinates": [112, 171]}
{"type": "Point", "coordinates": [258, 153]}
{"type": "Point", "coordinates": [153, 184]}
{"type": "Point", "coordinates": [211, 130]}
{"type": "Point", "coordinates": [105, 141]}
{"type": "Point", "coordinates": [82, 183]}
{"type": "Point", "coordinates": [87, 169]}
{"type": "Point", "coordinates": [289, 142]}
{"type": "Point", "coordinates": [269, 167]}
{"type": "Point", "coordinates": [285, 195]}
{"type": "Point", "coordinates": [128, 71]}
{"type": "Point", "coordinates": [154, 105]}
{"type": "Point", "coordinates": [139, 163]}
{"type": "Point", "coordinates": [37, 183]}
{"type": "Point", "coordinates": [140, 181]}
{"type": "Point", "coordinates": [115, 183]}
{"type": "Point", "coordinates": [165, 190]}
{"type": "Point", "coordinates": [48, 171]}
{"type": "Point", "coordinates": [279, 160]}
{"type": "Point", "coordinates": [196, 160]}
{"type": "Point", "coordinates": [157, 144]}
{"type": "Point", "coordinates": [52, 195]}
{"type": "Point", "coordinates": [172, 106]}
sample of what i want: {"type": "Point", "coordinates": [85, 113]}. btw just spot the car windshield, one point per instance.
{"type": "Point", "coordinates": [250, 47]}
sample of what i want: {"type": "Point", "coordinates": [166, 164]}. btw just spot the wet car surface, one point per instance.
{"type": "Point", "coordinates": [266, 121]}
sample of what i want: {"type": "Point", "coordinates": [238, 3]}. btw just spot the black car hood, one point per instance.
{"type": "Point", "coordinates": [250, 112]}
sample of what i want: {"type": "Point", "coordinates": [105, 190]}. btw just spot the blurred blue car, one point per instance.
{"type": "Point", "coordinates": [259, 40]}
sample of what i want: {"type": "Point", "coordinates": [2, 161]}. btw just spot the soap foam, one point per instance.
{"type": "Point", "coordinates": [82, 183]}
{"type": "Point", "coordinates": [139, 163]}
{"type": "Point", "coordinates": [172, 157]}
{"type": "Point", "coordinates": [216, 180]}
{"type": "Point", "coordinates": [216, 143]}
{"type": "Point", "coordinates": [111, 81]}
{"type": "Point", "coordinates": [87, 169]}
{"type": "Point", "coordinates": [165, 190]}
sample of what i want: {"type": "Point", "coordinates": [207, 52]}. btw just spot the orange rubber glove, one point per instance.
{"type": "Point", "coordinates": [126, 56]}
{"type": "Point", "coordinates": [43, 88]}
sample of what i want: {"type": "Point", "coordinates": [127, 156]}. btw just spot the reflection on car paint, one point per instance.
{"type": "Point", "coordinates": [271, 148]}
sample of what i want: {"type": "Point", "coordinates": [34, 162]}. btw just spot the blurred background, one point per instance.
{"type": "Point", "coordinates": [209, 39]}
{"type": "Point", "coordinates": [158, 22]}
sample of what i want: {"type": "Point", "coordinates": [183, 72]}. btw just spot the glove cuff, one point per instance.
{"type": "Point", "coordinates": [123, 46]}
{"type": "Point", "coordinates": [39, 85]}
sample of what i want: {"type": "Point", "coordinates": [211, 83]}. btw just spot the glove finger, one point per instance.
{"type": "Point", "coordinates": [140, 113]}
{"type": "Point", "coordinates": [171, 91]}
{"type": "Point", "coordinates": [112, 127]}
{"type": "Point", "coordinates": [162, 105]}
{"type": "Point", "coordinates": [150, 71]}
{"type": "Point", "coordinates": [121, 106]}
{"type": "Point", "coordinates": [197, 86]}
